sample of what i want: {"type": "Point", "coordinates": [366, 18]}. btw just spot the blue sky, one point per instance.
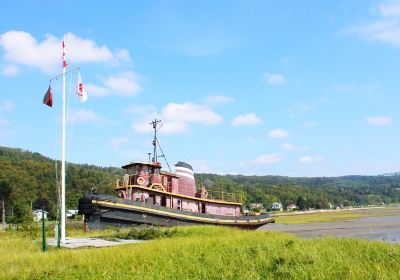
{"type": "Point", "coordinates": [296, 88]}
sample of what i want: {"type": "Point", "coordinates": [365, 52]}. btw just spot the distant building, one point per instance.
{"type": "Point", "coordinates": [276, 206]}
{"type": "Point", "coordinates": [256, 205]}
{"type": "Point", "coordinates": [291, 207]}
{"type": "Point", "coordinates": [71, 213]}
{"type": "Point", "coordinates": [37, 215]}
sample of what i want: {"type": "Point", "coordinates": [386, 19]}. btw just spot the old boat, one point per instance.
{"type": "Point", "coordinates": [149, 195]}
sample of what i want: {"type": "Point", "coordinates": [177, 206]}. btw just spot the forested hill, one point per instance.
{"type": "Point", "coordinates": [29, 177]}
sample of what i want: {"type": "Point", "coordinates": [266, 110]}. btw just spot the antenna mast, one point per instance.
{"type": "Point", "coordinates": [154, 124]}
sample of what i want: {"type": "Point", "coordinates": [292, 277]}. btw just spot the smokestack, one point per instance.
{"type": "Point", "coordinates": [186, 182]}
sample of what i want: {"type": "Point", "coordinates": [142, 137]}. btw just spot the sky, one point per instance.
{"type": "Point", "coordinates": [292, 88]}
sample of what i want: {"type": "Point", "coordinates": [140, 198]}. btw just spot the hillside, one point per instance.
{"type": "Point", "coordinates": [32, 177]}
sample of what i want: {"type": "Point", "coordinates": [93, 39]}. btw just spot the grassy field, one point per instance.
{"type": "Point", "coordinates": [204, 253]}
{"type": "Point", "coordinates": [336, 215]}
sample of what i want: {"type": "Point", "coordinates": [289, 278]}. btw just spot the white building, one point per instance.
{"type": "Point", "coordinates": [71, 213]}
{"type": "Point", "coordinates": [37, 215]}
{"type": "Point", "coordinates": [276, 206]}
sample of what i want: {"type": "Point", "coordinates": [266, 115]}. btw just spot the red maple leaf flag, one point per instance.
{"type": "Point", "coordinates": [65, 64]}
{"type": "Point", "coordinates": [81, 92]}
{"type": "Point", "coordinates": [48, 98]}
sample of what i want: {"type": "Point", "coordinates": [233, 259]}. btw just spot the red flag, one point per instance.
{"type": "Point", "coordinates": [48, 98]}
{"type": "Point", "coordinates": [65, 64]}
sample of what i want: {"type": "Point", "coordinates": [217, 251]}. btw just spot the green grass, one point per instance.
{"type": "Point", "coordinates": [309, 218]}
{"type": "Point", "coordinates": [205, 253]}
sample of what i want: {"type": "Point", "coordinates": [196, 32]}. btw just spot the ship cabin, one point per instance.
{"type": "Point", "coordinates": [147, 183]}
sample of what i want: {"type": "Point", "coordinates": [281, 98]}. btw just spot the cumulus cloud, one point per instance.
{"type": "Point", "coordinates": [278, 133]}
{"type": "Point", "coordinates": [274, 79]}
{"type": "Point", "coordinates": [10, 70]}
{"type": "Point", "coordinates": [310, 159]}
{"type": "Point", "coordinates": [379, 120]}
{"type": "Point", "coordinates": [264, 160]}
{"type": "Point", "coordinates": [385, 29]}
{"type": "Point", "coordinates": [83, 116]}
{"type": "Point", "coordinates": [21, 48]}
{"type": "Point", "coordinates": [249, 119]}
{"type": "Point", "coordinates": [123, 84]}
{"type": "Point", "coordinates": [176, 118]}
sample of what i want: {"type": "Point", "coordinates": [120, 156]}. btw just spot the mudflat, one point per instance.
{"type": "Point", "coordinates": [383, 228]}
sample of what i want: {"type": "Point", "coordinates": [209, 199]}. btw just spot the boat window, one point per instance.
{"type": "Point", "coordinates": [145, 170]}
{"type": "Point", "coordinates": [156, 171]}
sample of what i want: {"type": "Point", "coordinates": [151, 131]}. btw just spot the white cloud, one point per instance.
{"type": "Point", "coordinates": [10, 70]}
{"type": "Point", "coordinates": [190, 112]}
{"type": "Point", "coordinates": [177, 117]}
{"type": "Point", "coordinates": [4, 122]}
{"type": "Point", "coordinates": [310, 159]}
{"type": "Point", "coordinates": [264, 160]}
{"type": "Point", "coordinates": [97, 90]}
{"type": "Point", "coordinates": [83, 116]}
{"type": "Point", "coordinates": [385, 29]}
{"type": "Point", "coordinates": [6, 106]}
{"type": "Point", "coordinates": [125, 83]}
{"type": "Point", "coordinates": [288, 146]}
{"type": "Point", "coordinates": [21, 48]}
{"type": "Point", "coordinates": [278, 133]}
{"type": "Point", "coordinates": [274, 79]}
{"type": "Point", "coordinates": [118, 142]}
{"type": "Point", "coordinates": [249, 119]}
{"type": "Point", "coordinates": [379, 120]}
{"type": "Point", "coordinates": [218, 99]}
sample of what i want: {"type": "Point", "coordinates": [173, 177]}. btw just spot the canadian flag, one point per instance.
{"type": "Point", "coordinates": [64, 59]}
{"type": "Point", "coordinates": [81, 92]}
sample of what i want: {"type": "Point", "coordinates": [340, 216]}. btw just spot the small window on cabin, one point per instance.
{"type": "Point", "coordinates": [145, 170]}
{"type": "Point", "coordinates": [156, 171]}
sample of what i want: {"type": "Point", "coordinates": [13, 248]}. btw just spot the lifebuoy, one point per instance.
{"type": "Point", "coordinates": [140, 180]}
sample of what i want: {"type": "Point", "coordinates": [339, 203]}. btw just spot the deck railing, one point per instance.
{"type": "Point", "coordinates": [129, 180]}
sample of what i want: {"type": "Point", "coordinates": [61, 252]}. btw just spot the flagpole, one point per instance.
{"type": "Point", "coordinates": [63, 212]}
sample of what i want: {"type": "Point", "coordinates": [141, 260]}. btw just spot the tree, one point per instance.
{"type": "Point", "coordinates": [301, 203]}
{"type": "Point", "coordinates": [5, 192]}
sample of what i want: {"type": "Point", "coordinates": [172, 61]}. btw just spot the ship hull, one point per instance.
{"type": "Point", "coordinates": [101, 211]}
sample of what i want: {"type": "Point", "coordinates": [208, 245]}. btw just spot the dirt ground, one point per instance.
{"type": "Point", "coordinates": [383, 228]}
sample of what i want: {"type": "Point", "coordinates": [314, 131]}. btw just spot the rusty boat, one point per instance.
{"type": "Point", "coordinates": [147, 194]}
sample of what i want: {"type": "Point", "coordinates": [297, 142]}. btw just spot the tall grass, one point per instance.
{"type": "Point", "coordinates": [205, 253]}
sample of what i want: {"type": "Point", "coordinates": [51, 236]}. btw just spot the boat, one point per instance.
{"type": "Point", "coordinates": [149, 195]}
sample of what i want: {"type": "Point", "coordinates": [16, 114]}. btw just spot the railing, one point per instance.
{"type": "Point", "coordinates": [225, 196]}
{"type": "Point", "coordinates": [129, 180]}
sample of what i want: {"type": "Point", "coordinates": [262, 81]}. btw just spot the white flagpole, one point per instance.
{"type": "Point", "coordinates": [63, 212]}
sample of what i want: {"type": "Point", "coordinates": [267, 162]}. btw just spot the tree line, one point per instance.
{"type": "Point", "coordinates": [29, 180]}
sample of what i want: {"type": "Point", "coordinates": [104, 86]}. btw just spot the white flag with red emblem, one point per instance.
{"type": "Point", "coordinates": [81, 92]}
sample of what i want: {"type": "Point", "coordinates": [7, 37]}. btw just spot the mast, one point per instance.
{"type": "Point", "coordinates": [63, 212]}
{"type": "Point", "coordinates": [154, 123]}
